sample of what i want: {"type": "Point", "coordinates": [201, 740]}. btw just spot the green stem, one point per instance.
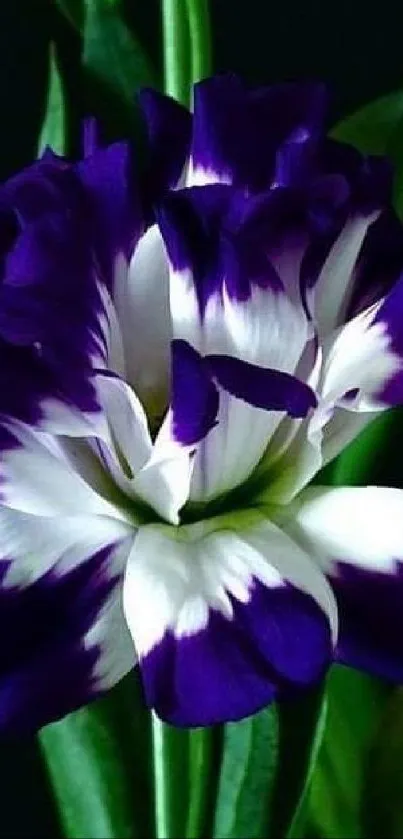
{"type": "Point", "coordinates": [200, 38]}
{"type": "Point", "coordinates": [201, 771]}
{"type": "Point", "coordinates": [175, 33]}
{"type": "Point", "coordinates": [161, 792]}
{"type": "Point", "coordinates": [171, 778]}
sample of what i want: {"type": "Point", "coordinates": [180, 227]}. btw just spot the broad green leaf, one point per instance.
{"type": "Point", "coordinates": [115, 66]}
{"type": "Point", "coordinates": [53, 132]}
{"type": "Point", "coordinates": [266, 763]}
{"type": "Point", "coordinates": [301, 729]}
{"type": "Point", "coordinates": [250, 754]}
{"type": "Point", "coordinates": [383, 810]}
{"type": "Point", "coordinates": [371, 128]}
{"type": "Point", "coordinates": [99, 764]}
{"type": "Point", "coordinates": [336, 802]}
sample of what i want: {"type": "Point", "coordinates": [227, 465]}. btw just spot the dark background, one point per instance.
{"type": "Point", "coordinates": [354, 47]}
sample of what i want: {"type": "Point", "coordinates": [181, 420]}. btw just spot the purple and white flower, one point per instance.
{"type": "Point", "coordinates": [181, 353]}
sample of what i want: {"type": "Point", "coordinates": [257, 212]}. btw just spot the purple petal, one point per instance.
{"type": "Point", "coordinates": [49, 295]}
{"type": "Point", "coordinates": [277, 641]}
{"type": "Point", "coordinates": [194, 396]}
{"type": "Point", "coordinates": [272, 390]}
{"type": "Point", "coordinates": [169, 128]}
{"type": "Point", "coordinates": [91, 136]}
{"type": "Point", "coordinates": [239, 616]}
{"type": "Point", "coordinates": [380, 263]}
{"type": "Point", "coordinates": [26, 383]}
{"type": "Point", "coordinates": [233, 241]}
{"type": "Point", "coordinates": [237, 134]}
{"type": "Point", "coordinates": [371, 620]}
{"type": "Point", "coordinates": [46, 670]}
{"type": "Point", "coordinates": [113, 204]}
{"type": "Point", "coordinates": [370, 178]}
{"type": "Point", "coordinates": [356, 535]}
{"type": "Point", "coordinates": [47, 186]}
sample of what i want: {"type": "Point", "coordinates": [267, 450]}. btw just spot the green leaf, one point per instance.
{"type": "Point", "coordinates": [250, 753]}
{"type": "Point", "coordinates": [371, 128]}
{"type": "Point", "coordinates": [267, 760]}
{"type": "Point", "coordinates": [115, 66]}
{"type": "Point", "coordinates": [99, 764]}
{"type": "Point", "coordinates": [53, 131]}
{"type": "Point", "coordinates": [336, 800]}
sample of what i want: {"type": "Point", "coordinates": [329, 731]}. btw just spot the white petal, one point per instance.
{"type": "Point", "coordinates": [53, 549]}
{"type": "Point", "coordinates": [37, 479]}
{"type": "Point", "coordinates": [334, 283]}
{"type": "Point", "coordinates": [359, 357]}
{"type": "Point", "coordinates": [38, 544]}
{"type": "Point", "coordinates": [174, 577]}
{"type": "Point", "coordinates": [362, 526]}
{"type": "Point", "coordinates": [164, 480]}
{"type": "Point", "coordinates": [109, 634]}
{"type": "Point", "coordinates": [141, 298]}
{"type": "Point", "coordinates": [127, 421]}
{"type": "Point", "coordinates": [267, 330]}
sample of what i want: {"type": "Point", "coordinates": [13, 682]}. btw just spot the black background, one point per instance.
{"type": "Point", "coordinates": [354, 47]}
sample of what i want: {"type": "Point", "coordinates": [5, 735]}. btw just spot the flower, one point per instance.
{"type": "Point", "coordinates": [181, 353]}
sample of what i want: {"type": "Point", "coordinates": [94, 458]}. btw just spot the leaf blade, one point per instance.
{"type": "Point", "coordinates": [53, 131]}
{"type": "Point", "coordinates": [100, 785]}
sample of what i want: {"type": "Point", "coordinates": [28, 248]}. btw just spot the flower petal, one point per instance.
{"type": "Point", "coordinates": [37, 477]}
{"type": "Point", "coordinates": [228, 299]}
{"type": "Point", "coordinates": [38, 317]}
{"type": "Point", "coordinates": [141, 297]}
{"type": "Point", "coordinates": [127, 421]}
{"type": "Point", "coordinates": [194, 395]}
{"type": "Point", "coordinates": [224, 620]}
{"type": "Point", "coordinates": [164, 481]}
{"type": "Point", "coordinates": [362, 362]}
{"type": "Point", "coordinates": [261, 387]}
{"type": "Point", "coordinates": [169, 129]}
{"type": "Point", "coordinates": [335, 282]}
{"type": "Point", "coordinates": [64, 638]}
{"type": "Point", "coordinates": [238, 135]}
{"type": "Point", "coordinates": [111, 199]}
{"type": "Point", "coordinates": [356, 536]}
